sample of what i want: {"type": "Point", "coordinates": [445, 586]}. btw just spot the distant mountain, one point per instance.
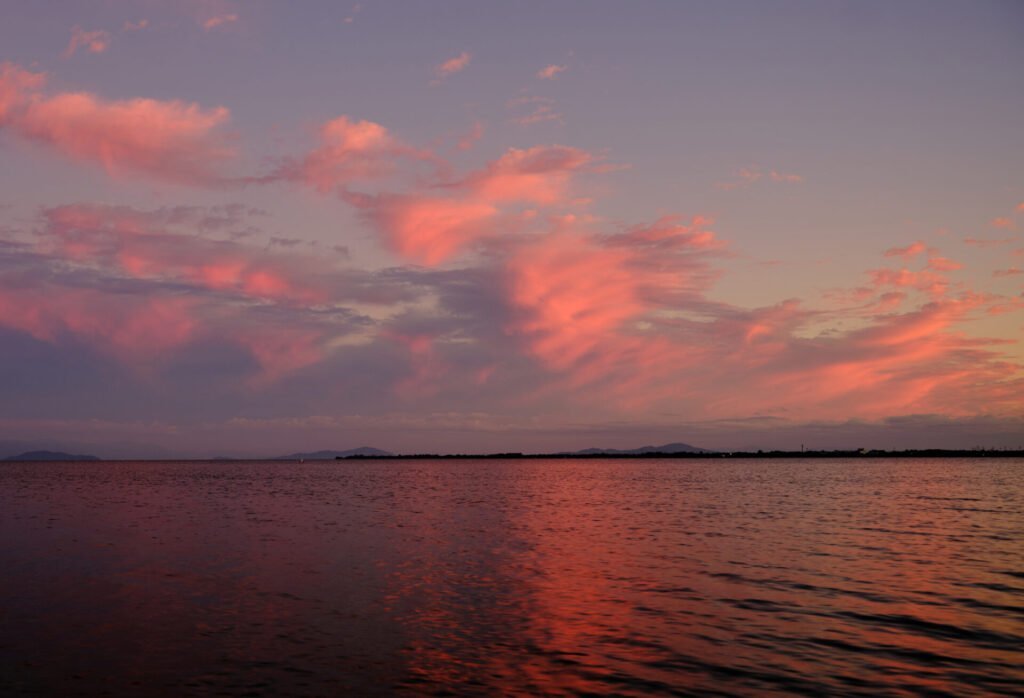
{"type": "Point", "coordinates": [676, 447]}
{"type": "Point", "coordinates": [331, 455]}
{"type": "Point", "coordinates": [49, 456]}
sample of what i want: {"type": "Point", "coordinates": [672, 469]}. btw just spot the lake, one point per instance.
{"type": "Point", "coordinates": [633, 577]}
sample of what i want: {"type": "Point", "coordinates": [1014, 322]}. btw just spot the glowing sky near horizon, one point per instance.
{"type": "Point", "coordinates": [251, 228]}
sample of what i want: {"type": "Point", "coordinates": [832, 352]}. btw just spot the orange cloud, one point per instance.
{"type": "Point", "coordinates": [929, 282]}
{"type": "Point", "coordinates": [1012, 271]}
{"type": "Point", "coordinates": [169, 140]}
{"type": "Point", "coordinates": [943, 264]}
{"type": "Point", "coordinates": [907, 252]}
{"type": "Point", "coordinates": [92, 41]}
{"type": "Point", "coordinates": [550, 72]}
{"type": "Point", "coordinates": [1004, 223]}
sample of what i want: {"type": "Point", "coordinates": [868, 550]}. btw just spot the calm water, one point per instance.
{"type": "Point", "coordinates": [560, 577]}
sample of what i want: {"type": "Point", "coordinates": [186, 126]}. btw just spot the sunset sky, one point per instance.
{"type": "Point", "coordinates": [252, 228]}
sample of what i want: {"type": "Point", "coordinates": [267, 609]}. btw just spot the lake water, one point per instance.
{"type": "Point", "coordinates": [676, 577]}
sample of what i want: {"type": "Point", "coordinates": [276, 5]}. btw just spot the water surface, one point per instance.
{"type": "Point", "coordinates": [671, 577]}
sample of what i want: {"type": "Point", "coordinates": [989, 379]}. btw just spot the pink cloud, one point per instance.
{"type": "Point", "coordinates": [170, 140]}
{"type": "Point", "coordinates": [428, 230]}
{"type": "Point", "coordinates": [626, 315]}
{"type": "Point", "coordinates": [349, 150]}
{"type": "Point", "coordinates": [279, 348]}
{"type": "Point", "coordinates": [453, 65]}
{"type": "Point", "coordinates": [538, 175]}
{"type": "Point", "coordinates": [907, 252]}
{"type": "Point", "coordinates": [131, 328]}
{"type": "Point", "coordinates": [139, 25]}
{"type": "Point", "coordinates": [96, 41]}
{"type": "Point", "coordinates": [16, 85]}
{"type": "Point", "coordinates": [145, 245]}
{"type": "Point", "coordinates": [1004, 223]}
{"type": "Point", "coordinates": [784, 177]}
{"type": "Point", "coordinates": [584, 303]}
{"type": "Point", "coordinates": [142, 285]}
{"type": "Point", "coordinates": [550, 72]}
{"type": "Point", "coordinates": [572, 296]}
{"type": "Point", "coordinates": [219, 21]}
{"type": "Point", "coordinates": [143, 330]}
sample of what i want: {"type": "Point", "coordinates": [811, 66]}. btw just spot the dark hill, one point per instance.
{"type": "Point", "coordinates": [49, 456]}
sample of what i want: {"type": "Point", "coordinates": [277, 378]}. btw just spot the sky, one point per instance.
{"type": "Point", "coordinates": [255, 228]}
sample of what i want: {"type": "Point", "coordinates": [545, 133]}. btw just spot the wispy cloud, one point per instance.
{"type": "Point", "coordinates": [348, 151]}
{"type": "Point", "coordinates": [453, 65]}
{"type": "Point", "coordinates": [746, 176]}
{"type": "Point", "coordinates": [470, 138]}
{"type": "Point", "coordinates": [533, 110]}
{"type": "Point", "coordinates": [96, 41]}
{"type": "Point", "coordinates": [982, 242]}
{"type": "Point", "coordinates": [351, 18]}
{"type": "Point", "coordinates": [785, 177]}
{"type": "Point", "coordinates": [212, 23]}
{"type": "Point", "coordinates": [550, 72]}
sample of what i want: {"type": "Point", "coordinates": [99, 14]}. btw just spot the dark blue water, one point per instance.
{"type": "Point", "coordinates": [500, 577]}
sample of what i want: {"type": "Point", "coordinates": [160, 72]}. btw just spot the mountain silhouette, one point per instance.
{"type": "Point", "coordinates": [49, 456]}
{"type": "Point", "coordinates": [675, 447]}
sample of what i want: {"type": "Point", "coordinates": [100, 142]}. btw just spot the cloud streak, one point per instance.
{"type": "Point", "coordinates": [453, 65]}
